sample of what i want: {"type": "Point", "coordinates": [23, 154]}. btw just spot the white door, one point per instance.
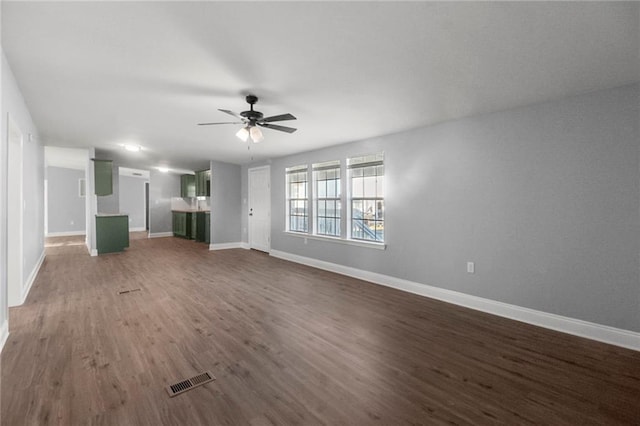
{"type": "Point", "coordinates": [15, 208]}
{"type": "Point", "coordinates": [260, 208]}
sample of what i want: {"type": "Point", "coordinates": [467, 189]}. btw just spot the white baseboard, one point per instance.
{"type": "Point", "coordinates": [65, 234]}
{"type": "Point", "coordinates": [138, 229]}
{"type": "Point", "coordinates": [93, 252]}
{"type": "Point", "coordinates": [160, 234]}
{"type": "Point", "coordinates": [602, 333]}
{"type": "Point", "coordinates": [4, 334]}
{"type": "Point", "coordinates": [225, 246]}
{"type": "Point", "coordinates": [31, 279]}
{"type": "Point", "coordinates": [245, 246]}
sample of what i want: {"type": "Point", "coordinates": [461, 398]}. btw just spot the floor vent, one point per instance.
{"type": "Point", "coordinates": [189, 384]}
{"type": "Point", "coordinates": [128, 291]}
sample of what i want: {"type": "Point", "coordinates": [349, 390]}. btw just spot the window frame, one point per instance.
{"type": "Point", "coordinates": [367, 161]}
{"type": "Point", "coordinates": [302, 169]}
{"type": "Point", "coordinates": [345, 199]}
{"type": "Point", "coordinates": [336, 199]}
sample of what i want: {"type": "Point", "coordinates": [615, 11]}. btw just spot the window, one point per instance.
{"type": "Point", "coordinates": [297, 199]}
{"type": "Point", "coordinates": [361, 222]}
{"type": "Point", "coordinates": [366, 176]}
{"type": "Point", "coordinates": [326, 190]}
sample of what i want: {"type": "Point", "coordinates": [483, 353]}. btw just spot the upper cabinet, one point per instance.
{"type": "Point", "coordinates": [188, 186]}
{"type": "Point", "coordinates": [203, 183]}
{"type": "Point", "coordinates": [103, 174]}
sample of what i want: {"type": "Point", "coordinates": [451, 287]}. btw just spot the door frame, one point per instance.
{"type": "Point", "coordinates": [15, 213]}
{"type": "Point", "coordinates": [249, 174]}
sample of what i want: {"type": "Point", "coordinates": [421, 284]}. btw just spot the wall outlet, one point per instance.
{"type": "Point", "coordinates": [471, 267]}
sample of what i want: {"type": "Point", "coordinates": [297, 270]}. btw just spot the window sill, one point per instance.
{"type": "Point", "coordinates": [359, 243]}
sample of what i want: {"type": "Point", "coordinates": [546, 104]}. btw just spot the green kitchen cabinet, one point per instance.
{"type": "Point", "coordinates": [203, 227]}
{"type": "Point", "coordinates": [207, 227]}
{"type": "Point", "coordinates": [180, 224]}
{"type": "Point", "coordinates": [184, 225]}
{"type": "Point", "coordinates": [192, 217]}
{"type": "Point", "coordinates": [112, 233]}
{"type": "Point", "coordinates": [187, 186]}
{"type": "Point", "coordinates": [103, 177]}
{"type": "Point", "coordinates": [203, 183]}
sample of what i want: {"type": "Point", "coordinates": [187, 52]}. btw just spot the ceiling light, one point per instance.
{"type": "Point", "coordinates": [163, 169]}
{"type": "Point", "coordinates": [256, 134]}
{"type": "Point", "coordinates": [132, 148]}
{"type": "Point", "coordinates": [243, 134]}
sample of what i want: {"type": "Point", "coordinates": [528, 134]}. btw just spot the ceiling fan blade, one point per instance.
{"type": "Point", "coordinates": [226, 122]}
{"type": "Point", "coordinates": [236, 115]}
{"type": "Point", "coordinates": [281, 117]}
{"type": "Point", "coordinates": [276, 127]}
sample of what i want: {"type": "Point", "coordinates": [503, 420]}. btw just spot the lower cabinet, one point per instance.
{"type": "Point", "coordinates": [192, 225]}
{"type": "Point", "coordinates": [207, 228]}
{"type": "Point", "coordinates": [112, 233]}
{"type": "Point", "coordinates": [203, 226]}
{"type": "Point", "coordinates": [180, 224]}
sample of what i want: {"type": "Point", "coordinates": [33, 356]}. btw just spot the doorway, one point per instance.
{"type": "Point", "coordinates": [260, 208]}
{"type": "Point", "coordinates": [15, 250]}
{"type": "Point", "coordinates": [146, 206]}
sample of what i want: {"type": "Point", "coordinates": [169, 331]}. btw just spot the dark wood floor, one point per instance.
{"type": "Point", "coordinates": [289, 345]}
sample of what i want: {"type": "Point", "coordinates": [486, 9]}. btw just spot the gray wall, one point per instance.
{"type": "Point", "coordinates": [225, 203]}
{"type": "Point", "coordinates": [66, 209]}
{"type": "Point", "coordinates": [544, 199]}
{"type": "Point", "coordinates": [33, 180]}
{"type": "Point", "coordinates": [132, 200]}
{"type": "Point", "coordinates": [162, 186]}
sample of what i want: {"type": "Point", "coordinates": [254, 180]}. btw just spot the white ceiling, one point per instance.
{"type": "Point", "coordinates": [103, 74]}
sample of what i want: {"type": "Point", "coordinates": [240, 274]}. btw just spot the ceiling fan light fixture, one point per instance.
{"type": "Point", "coordinates": [243, 134]}
{"type": "Point", "coordinates": [256, 134]}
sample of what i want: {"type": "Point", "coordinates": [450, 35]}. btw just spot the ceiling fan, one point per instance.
{"type": "Point", "coordinates": [252, 119]}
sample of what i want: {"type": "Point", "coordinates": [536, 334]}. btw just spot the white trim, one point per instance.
{"type": "Point", "coordinates": [225, 246]}
{"type": "Point", "coordinates": [602, 333]}
{"type": "Point", "coordinates": [93, 252]}
{"type": "Point", "coordinates": [137, 229]}
{"type": "Point", "coordinates": [46, 207]}
{"type": "Point", "coordinates": [245, 245]}
{"type": "Point", "coordinates": [358, 243]}
{"type": "Point", "coordinates": [160, 234]}
{"type": "Point", "coordinates": [32, 278]}
{"type": "Point", "coordinates": [4, 334]}
{"type": "Point", "coordinates": [15, 213]}
{"type": "Point", "coordinates": [65, 233]}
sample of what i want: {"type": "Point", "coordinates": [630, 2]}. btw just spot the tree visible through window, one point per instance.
{"type": "Point", "coordinates": [297, 199]}
{"type": "Point", "coordinates": [366, 175]}
{"type": "Point", "coordinates": [326, 178]}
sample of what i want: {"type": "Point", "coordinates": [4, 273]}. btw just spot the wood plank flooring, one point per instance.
{"type": "Point", "coordinates": [288, 345]}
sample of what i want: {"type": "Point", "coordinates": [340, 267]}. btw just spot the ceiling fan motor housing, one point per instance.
{"type": "Point", "coordinates": [252, 115]}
